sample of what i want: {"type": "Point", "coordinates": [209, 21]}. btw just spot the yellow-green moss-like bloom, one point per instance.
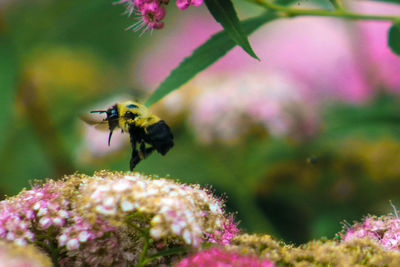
{"type": "Point", "coordinates": [357, 252]}
{"type": "Point", "coordinates": [13, 255]}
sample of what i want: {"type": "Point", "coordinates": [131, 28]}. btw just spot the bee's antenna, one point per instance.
{"type": "Point", "coordinates": [98, 111]}
{"type": "Point", "coordinates": [109, 138]}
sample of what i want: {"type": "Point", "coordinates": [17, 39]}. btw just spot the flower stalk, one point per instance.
{"type": "Point", "coordinates": [339, 12]}
{"type": "Point", "coordinates": [143, 259]}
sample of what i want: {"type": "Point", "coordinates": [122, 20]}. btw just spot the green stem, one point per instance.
{"type": "Point", "coordinates": [169, 252]}
{"type": "Point", "coordinates": [144, 233]}
{"type": "Point", "coordinates": [143, 259]}
{"type": "Point", "coordinates": [166, 252]}
{"type": "Point", "coordinates": [55, 256]}
{"type": "Point", "coordinates": [338, 13]}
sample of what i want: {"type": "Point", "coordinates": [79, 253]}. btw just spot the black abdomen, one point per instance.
{"type": "Point", "coordinates": [159, 135]}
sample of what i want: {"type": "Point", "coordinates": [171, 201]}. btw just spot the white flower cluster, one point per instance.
{"type": "Point", "coordinates": [166, 208]}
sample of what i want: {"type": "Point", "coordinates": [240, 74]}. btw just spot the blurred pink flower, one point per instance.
{"type": "Point", "coordinates": [383, 65]}
{"type": "Point", "coordinates": [335, 59]}
{"type": "Point", "coordinates": [320, 59]}
{"type": "Point", "coordinates": [230, 108]}
{"type": "Point", "coordinates": [220, 258]}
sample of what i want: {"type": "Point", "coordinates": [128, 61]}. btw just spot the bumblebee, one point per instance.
{"type": "Point", "coordinates": [147, 132]}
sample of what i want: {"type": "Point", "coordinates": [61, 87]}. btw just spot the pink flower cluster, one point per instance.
{"type": "Point", "coordinates": [224, 236]}
{"type": "Point", "coordinates": [220, 258]}
{"type": "Point", "coordinates": [42, 216]}
{"type": "Point", "coordinates": [152, 12]}
{"type": "Point", "coordinates": [384, 230]}
{"type": "Point", "coordinates": [18, 214]}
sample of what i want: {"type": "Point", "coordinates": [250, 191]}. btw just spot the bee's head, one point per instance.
{"type": "Point", "coordinates": [112, 119]}
{"type": "Point", "coordinates": [123, 113]}
{"type": "Point", "coordinates": [130, 111]}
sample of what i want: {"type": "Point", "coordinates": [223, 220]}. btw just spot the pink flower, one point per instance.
{"type": "Point", "coordinates": [44, 214]}
{"type": "Point", "coordinates": [183, 4]}
{"type": "Point", "coordinates": [385, 230]}
{"type": "Point", "coordinates": [152, 14]}
{"type": "Point", "coordinates": [224, 236]}
{"type": "Point", "coordinates": [220, 258]}
{"type": "Point", "coordinates": [153, 11]}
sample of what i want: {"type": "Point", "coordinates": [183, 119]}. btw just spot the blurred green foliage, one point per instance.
{"type": "Point", "coordinates": [296, 191]}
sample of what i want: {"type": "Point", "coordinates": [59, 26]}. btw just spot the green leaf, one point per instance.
{"type": "Point", "coordinates": [394, 38]}
{"type": "Point", "coordinates": [224, 13]}
{"type": "Point", "coordinates": [205, 55]}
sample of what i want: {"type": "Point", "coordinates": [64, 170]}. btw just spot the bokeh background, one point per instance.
{"type": "Point", "coordinates": [296, 143]}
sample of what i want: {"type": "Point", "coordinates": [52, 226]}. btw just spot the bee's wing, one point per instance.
{"type": "Point", "coordinates": [99, 123]}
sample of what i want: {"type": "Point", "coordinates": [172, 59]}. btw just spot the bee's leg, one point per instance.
{"type": "Point", "coordinates": [135, 158]}
{"type": "Point", "coordinates": [143, 151]}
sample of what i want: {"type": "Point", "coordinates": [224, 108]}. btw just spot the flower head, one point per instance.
{"type": "Point", "coordinates": [47, 213]}
{"type": "Point", "coordinates": [384, 230]}
{"type": "Point", "coordinates": [166, 208]}
{"type": "Point", "coordinates": [183, 4]}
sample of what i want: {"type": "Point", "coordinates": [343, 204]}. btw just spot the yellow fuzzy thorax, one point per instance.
{"type": "Point", "coordinates": [144, 117]}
